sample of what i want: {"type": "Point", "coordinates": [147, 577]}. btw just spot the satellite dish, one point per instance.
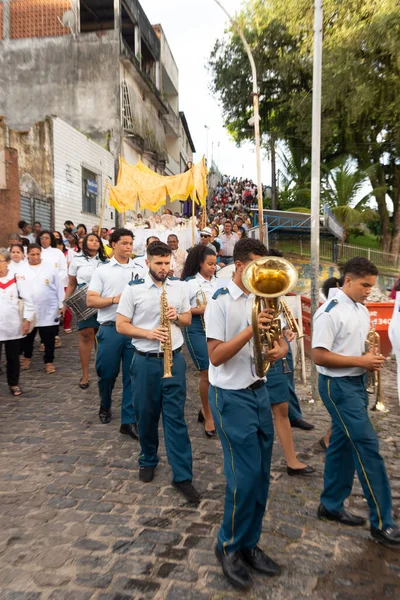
{"type": "Point", "coordinates": [68, 19]}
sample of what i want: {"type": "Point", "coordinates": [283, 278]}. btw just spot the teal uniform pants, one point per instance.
{"type": "Point", "coordinates": [154, 396]}
{"type": "Point", "coordinates": [113, 348]}
{"type": "Point", "coordinates": [243, 420]}
{"type": "Point", "coordinates": [353, 446]}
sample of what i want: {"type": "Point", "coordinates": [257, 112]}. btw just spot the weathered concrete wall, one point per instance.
{"type": "Point", "coordinates": [75, 79]}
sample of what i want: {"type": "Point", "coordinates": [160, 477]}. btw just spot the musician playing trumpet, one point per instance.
{"type": "Point", "coordinates": [199, 274]}
{"type": "Point", "coordinates": [340, 328]}
{"type": "Point", "coordinates": [152, 312]}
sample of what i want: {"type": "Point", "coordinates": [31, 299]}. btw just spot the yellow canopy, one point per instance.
{"type": "Point", "coordinates": [153, 190]}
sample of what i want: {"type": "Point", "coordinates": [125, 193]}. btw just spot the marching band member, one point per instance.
{"type": "Point", "coordinates": [242, 413]}
{"type": "Point", "coordinates": [199, 273]}
{"type": "Point", "coordinates": [141, 316]}
{"type": "Point", "coordinates": [105, 289]}
{"type": "Point", "coordinates": [82, 267]}
{"type": "Point", "coordinates": [340, 329]}
{"type": "Point", "coordinates": [11, 328]}
{"type": "Point", "coordinates": [42, 281]}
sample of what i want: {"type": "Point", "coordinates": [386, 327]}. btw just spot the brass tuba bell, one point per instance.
{"type": "Point", "coordinates": [268, 278]}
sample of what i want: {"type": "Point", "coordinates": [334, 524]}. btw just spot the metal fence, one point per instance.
{"type": "Point", "coordinates": [334, 251]}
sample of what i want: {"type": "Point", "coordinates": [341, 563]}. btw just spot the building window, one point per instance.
{"type": "Point", "coordinates": [96, 16]}
{"type": "Point", "coordinates": [89, 191]}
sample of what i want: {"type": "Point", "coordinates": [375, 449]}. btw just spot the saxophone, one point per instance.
{"type": "Point", "coordinates": [374, 379]}
{"type": "Point", "coordinates": [166, 346]}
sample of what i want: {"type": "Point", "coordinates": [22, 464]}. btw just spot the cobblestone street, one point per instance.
{"type": "Point", "coordinates": [76, 524]}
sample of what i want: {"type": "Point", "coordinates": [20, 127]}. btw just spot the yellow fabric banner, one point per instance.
{"type": "Point", "coordinates": [153, 190]}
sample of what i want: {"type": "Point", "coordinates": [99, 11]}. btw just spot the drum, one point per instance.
{"type": "Point", "coordinates": [77, 304]}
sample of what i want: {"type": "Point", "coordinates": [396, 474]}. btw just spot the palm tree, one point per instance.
{"type": "Point", "coordinates": [294, 179]}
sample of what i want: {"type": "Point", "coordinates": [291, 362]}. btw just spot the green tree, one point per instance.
{"type": "Point", "coordinates": [361, 86]}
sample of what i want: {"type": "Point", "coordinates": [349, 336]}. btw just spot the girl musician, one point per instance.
{"type": "Point", "coordinates": [198, 272]}
{"type": "Point", "coordinates": [81, 270]}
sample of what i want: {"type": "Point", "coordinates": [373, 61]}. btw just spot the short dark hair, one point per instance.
{"type": "Point", "coordinates": [174, 236]}
{"type": "Point", "coordinates": [149, 238]}
{"type": "Point", "coordinates": [34, 246]}
{"type": "Point", "coordinates": [81, 225]}
{"type": "Point", "coordinates": [101, 252]}
{"type": "Point", "coordinates": [158, 249]}
{"type": "Point", "coordinates": [37, 223]}
{"type": "Point", "coordinates": [117, 234]}
{"type": "Point", "coordinates": [22, 224]}
{"type": "Point", "coordinates": [68, 223]}
{"type": "Point", "coordinates": [360, 267]}
{"type": "Point", "coordinates": [246, 246]}
{"type": "Point", "coordinates": [53, 242]}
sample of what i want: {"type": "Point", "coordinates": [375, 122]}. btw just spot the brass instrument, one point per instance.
{"type": "Point", "coordinates": [374, 379]}
{"type": "Point", "coordinates": [268, 278]}
{"type": "Point", "coordinates": [166, 347]}
{"type": "Point", "coordinates": [201, 300]}
{"type": "Point", "coordinates": [290, 320]}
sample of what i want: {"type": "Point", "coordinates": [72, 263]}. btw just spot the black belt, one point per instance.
{"type": "Point", "coordinates": [256, 385]}
{"type": "Point", "coordinates": [224, 256]}
{"type": "Point", "coordinates": [157, 354]}
{"type": "Point", "coordinates": [108, 324]}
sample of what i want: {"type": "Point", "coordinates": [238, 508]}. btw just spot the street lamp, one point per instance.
{"type": "Point", "coordinates": [256, 119]}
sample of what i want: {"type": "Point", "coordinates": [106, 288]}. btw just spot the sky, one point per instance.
{"type": "Point", "coordinates": [191, 28]}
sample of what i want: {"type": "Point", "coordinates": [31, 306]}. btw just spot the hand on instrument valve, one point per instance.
{"type": "Point", "coordinates": [372, 362]}
{"type": "Point", "coordinates": [276, 353]}
{"type": "Point", "coordinates": [265, 317]}
{"type": "Point", "coordinates": [159, 333]}
{"type": "Point", "coordinates": [172, 315]}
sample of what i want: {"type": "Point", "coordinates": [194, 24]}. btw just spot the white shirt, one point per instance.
{"type": "Point", "coordinates": [10, 317]}
{"type": "Point", "coordinates": [82, 267]}
{"type": "Point", "coordinates": [226, 316]}
{"type": "Point", "coordinates": [110, 281]}
{"type": "Point", "coordinates": [70, 255]}
{"type": "Point", "coordinates": [55, 257]}
{"type": "Point", "coordinates": [178, 258]}
{"type": "Point", "coordinates": [141, 303]}
{"type": "Point", "coordinates": [42, 283]}
{"type": "Point", "coordinates": [197, 284]}
{"type": "Point", "coordinates": [16, 267]}
{"type": "Point", "coordinates": [228, 242]}
{"type": "Point", "coordinates": [341, 326]}
{"type": "Point", "coordinates": [394, 327]}
{"type": "Point", "coordinates": [141, 261]}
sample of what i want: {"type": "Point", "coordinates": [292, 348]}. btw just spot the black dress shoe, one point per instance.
{"type": "Point", "coordinates": [302, 424]}
{"type": "Point", "coordinates": [343, 517]}
{"type": "Point", "coordinates": [146, 474]}
{"type": "Point", "coordinates": [305, 472]}
{"type": "Point", "coordinates": [130, 429]}
{"type": "Point", "coordinates": [388, 537]}
{"type": "Point", "coordinates": [256, 558]}
{"type": "Point", "coordinates": [104, 415]}
{"type": "Point", "coordinates": [322, 444]}
{"type": "Point", "coordinates": [83, 386]}
{"type": "Point", "coordinates": [234, 569]}
{"type": "Point", "coordinates": [210, 434]}
{"type": "Point", "coordinates": [186, 488]}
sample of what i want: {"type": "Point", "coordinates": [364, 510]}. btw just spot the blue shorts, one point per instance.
{"type": "Point", "coordinates": [90, 322]}
{"type": "Point", "coordinates": [277, 383]}
{"type": "Point", "coordinates": [196, 341]}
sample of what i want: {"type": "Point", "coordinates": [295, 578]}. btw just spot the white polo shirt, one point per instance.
{"type": "Point", "coordinates": [141, 303]}
{"type": "Point", "coordinates": [226, 316]}
{"type": "Point", "coordinates": [110, 281]}
{"type": "Point", "coordinates": [197, 283]}
{"type": "Point", "coordinates": [341, 326]}
{"type": "Point", "coordinates": [82, 267]}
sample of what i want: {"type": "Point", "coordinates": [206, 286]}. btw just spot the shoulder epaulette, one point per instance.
{"type": "Point", "coordinates": [189, 278]}
{"type": "Point", "coordinates": [173, 278]}
{"type": "Point", "coordinates": [136, 281]}
{"type": "Point", "coordinates": [331, 304]}
{"type": "Point", "coordinates": [220, 292]}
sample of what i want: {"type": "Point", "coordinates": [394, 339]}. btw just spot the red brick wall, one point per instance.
{"type": "Point", "coordinates": [37, 18]}
{"type": "Point", "coordinates": [10, 197]}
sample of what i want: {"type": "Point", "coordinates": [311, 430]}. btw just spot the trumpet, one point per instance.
{"type": "Point", "coordinates": [374, 379]}
{"type": "Point", "coordinates": [268, 278]}
{"type": "Point", "coordinates": [201, 300]}
{"type": "Point", "coordinates": [166, 346]}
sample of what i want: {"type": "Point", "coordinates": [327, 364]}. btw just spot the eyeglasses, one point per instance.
{"type": "Point", "coordinates": [202, 235]}
{"type": "Point", "coordinates": [45, 237]}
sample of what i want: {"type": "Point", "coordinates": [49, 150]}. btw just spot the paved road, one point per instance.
{"type": "Point", "coordinates": [76, 524]}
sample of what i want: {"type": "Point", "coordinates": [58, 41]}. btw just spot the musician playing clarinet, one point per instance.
{"type": "Point", "coordinates": [340, 329]}
{"type": "Point", "coordinates": [151, 312]}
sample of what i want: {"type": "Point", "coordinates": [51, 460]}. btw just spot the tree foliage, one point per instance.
{"type": "Point", "coordinates": [360, 86]}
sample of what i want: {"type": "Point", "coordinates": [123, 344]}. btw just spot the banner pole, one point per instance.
{"type": "Point", "coordinates": [103, 205]}
{"type": "Point", "coordinates": [193, 217]}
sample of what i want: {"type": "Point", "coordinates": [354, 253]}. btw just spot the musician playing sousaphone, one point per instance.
{"type": "Point", "coordinates": [199, 274]}
{"type": "Point", "coordinates": [152, 311]}
{"type": "Point", "coordinates": [340, 330]}
{"type": "Point", "coordinates": [80, 272]}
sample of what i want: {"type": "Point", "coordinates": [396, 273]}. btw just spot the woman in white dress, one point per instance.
{"type": "Point", "coordinates": [17, 258]}
{"type": "Point", "coordinates": [13, 325]}
{"type": "Point", "coordinates": [81, 269]}
{"type": "Point", "coordinates": [46, 289]}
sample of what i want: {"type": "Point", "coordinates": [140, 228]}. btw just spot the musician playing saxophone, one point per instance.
{"type": "Point", "coordinates": [199, 274]}
{"type": "Point", "coordinates": [340, 329]}
{"type": "Point", "coordinates": [142, 315]}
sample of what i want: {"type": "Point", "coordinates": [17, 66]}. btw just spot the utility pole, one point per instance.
{"type": "Point", "coordinates": [316, 172]}
{"type": "Point", "coordinates": [274, 199]}
{"type": "Point", "coordinates": [256, 119]}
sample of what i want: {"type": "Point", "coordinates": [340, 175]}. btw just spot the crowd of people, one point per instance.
{"type": "Point", "coordinates": [142, 311]}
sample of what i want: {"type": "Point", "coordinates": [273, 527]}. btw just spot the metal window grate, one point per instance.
{"type": "Point", "coordinates": [37, 18]}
